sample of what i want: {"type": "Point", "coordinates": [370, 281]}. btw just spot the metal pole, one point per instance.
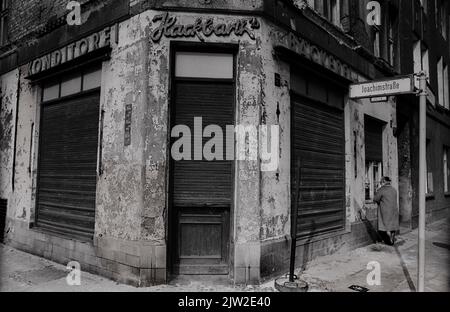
{"type": "Point", "coordinates": [422, 177]}
{"type": "Point", "coordinates": [294, 215]}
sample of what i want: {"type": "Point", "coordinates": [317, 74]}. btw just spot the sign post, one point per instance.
{"type": "Point", "coordinates": [396, 86]}
{"type": "Point", "coordinates": [422, 176]}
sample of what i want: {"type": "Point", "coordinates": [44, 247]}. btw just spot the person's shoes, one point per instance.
{"type": "Point", "coordinates": [393, 239]}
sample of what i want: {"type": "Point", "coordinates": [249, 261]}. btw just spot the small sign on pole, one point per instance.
{"type": "Point", "coordinates": [383, 88]}
{"type": "Point", "coordinates": [379, 99]}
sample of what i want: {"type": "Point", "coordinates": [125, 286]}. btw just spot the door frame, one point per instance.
{"type": "Point", "coordinates": [171, 221]}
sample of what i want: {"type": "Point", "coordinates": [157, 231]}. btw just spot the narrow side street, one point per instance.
{"type": "Point", "coordinates": [20, 271]}
{"type": "Point", "coordinates": [398, 265]}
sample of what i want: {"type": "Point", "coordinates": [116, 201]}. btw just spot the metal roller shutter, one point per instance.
{"type": "Point", "coordinates": [318, 140]}
{"type": "Point", "coordinates": [206, 183]}
{"type": "Point", "coordinates": [67, 166]}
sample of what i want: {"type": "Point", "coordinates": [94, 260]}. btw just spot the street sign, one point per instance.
{"type": "Point", "coordinates": [383, 88]}
{"type": "Point", "coordinates": [379, 99]}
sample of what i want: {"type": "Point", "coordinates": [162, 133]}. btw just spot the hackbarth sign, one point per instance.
{"type": "Point", "coordinates": [382, 88]}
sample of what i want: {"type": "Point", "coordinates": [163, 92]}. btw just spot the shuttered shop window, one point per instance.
{"type": "Point", "coordinates": [67, 166]}
{"type": "Point", "coordinates": [318, 141]}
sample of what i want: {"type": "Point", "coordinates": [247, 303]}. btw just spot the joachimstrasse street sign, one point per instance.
{"type": "Point", "coordinates": [382, 88]}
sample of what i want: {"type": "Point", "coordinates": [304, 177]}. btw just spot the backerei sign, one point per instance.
{"type": "Point", "coordinates": [74, 50]}
{"type": "Point", "coordinates": [380, 88]}
{"type": "Point", "coordinates": [168, 27]}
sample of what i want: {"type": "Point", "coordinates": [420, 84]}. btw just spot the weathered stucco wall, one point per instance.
{"type": "Point", "coordinates": [132, 190]}
{"type": "Point", "coordinates": [9, 85]}
{"type": "Point", "coordinates": [275, 106]}
{"type": "Point", "coordinates": [22, 199]}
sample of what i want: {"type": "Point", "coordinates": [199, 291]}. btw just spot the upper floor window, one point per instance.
{"type": "Point", "coordinates": [3, 22]}
{"type": "Point", "coordinates": [443, 88]}
{"type": "Point", "coordinates": [376, 43]}
{"type": "Point", "coordinates": [429, 179]}
{"type": "Point", "coordinates": [421, 59]}
{"type": "Point", "coordinates": [446, 167]}
{"type": "Point", "coordinates": [441, 17]}
{"type": "Point", "coordinates": [424, 4]}
{"type": "Point", "coordinates": [392, 35]}
{"type": "Point", "coordinates": [330, 9]}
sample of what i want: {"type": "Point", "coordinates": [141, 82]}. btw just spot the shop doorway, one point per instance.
{"type": "Point", "coordinates": [201, 190]}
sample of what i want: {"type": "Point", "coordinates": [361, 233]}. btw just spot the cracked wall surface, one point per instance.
{"type": "Point", "coordinates": [8, 102]}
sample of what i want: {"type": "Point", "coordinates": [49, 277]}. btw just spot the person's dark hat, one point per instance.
{"type": "Point", "coordinates": [387, 179]}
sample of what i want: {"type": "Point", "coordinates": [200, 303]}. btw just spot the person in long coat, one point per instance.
{"type": "Point", "coordinates": [388, 211]}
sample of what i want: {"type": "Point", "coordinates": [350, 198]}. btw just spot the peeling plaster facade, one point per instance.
{"type": "Point", "coordinates": [131, 221]}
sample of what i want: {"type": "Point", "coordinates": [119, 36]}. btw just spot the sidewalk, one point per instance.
{"type": "Point", "coordinates": [20, 271]}
{"type": "Point", "coordinates": [398, 265]}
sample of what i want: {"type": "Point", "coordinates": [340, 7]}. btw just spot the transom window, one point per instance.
{"type": "Point", "coordinates": [203, 65]}
{"type": "Point", "coordinates": [71, 84]}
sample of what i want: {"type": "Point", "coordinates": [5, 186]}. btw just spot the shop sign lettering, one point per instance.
{"type": "Point", "coordinates": [201, 28]}
{"type": "Point", "coordinates": [72, 51]}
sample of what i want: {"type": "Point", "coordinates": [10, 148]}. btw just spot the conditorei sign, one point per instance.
{"type": "Point", "coordinates": [168, 27]}
{"type": "Point", "coordinates": [74, 50]}
{"type": "Point", "coordinates": [315, 54]}
{"type": "Point", "coordinates": [385, 87]}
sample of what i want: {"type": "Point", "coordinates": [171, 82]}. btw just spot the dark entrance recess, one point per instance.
{"type": "Point", "coordinates": [67, 166]}
{"type": "Point", "coordinates": [318, 147]}
{"type": "Point", "coordinates": [373, 139]}
{"type": "Point", "coordinates": [201, 190]}
{"type": "Point", "coordinates": [3, 207]}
